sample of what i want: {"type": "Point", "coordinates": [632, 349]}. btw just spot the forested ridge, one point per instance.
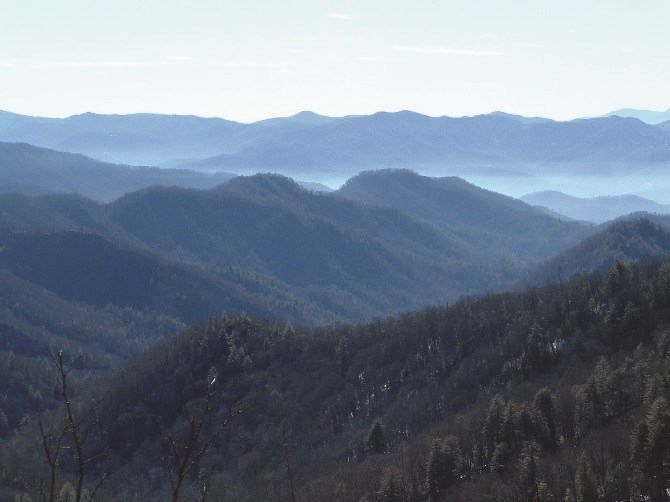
{"type": "Point", "coordinates": [557, 393]}
{"type": "Point", "coordinates": [627, 240]}
{"type": "Point", "coordinates": [486, 220]}
{"type": "Point", "coordinates": [283, 251]}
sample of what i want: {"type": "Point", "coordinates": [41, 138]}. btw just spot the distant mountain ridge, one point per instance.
{"type": "Point", "coordinates": [596, 209]}
{"type": "Point", "coordinates": [37, 171]}
{"type": "Point", "coordinates": [647, 116]}
{"type": "Point", "coordinates": [309, 143]}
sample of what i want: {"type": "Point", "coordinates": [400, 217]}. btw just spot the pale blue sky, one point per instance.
{"type": "Point", "coordinates": [255, 59]}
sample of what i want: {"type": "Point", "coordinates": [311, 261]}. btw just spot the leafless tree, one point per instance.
{"type": "Point", "coordinates": [185, 453]}
{"type": "Point", "coordinates": [66, 434]}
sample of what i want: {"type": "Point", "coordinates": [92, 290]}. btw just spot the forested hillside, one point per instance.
{"type": "Point", "coordinates": [486, 220]}
{"type": "Point", "coordinates": [34, 322]}
{"type": "Point", "coordinates": [90, 269]}
{"type": "Point", "coordinates": [282, 251]}
{"type": "Point", "coordinates": [546, 394]}
{"type": "Point", "coordinates": [636, 240]}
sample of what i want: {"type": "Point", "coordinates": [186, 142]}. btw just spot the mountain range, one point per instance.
{"type": "Point", "coordinates": [648, 116]}
{"type": "Point", "coordinates": [317, 257]}
{"type": "Point", "coordinates": [36, 171]}
{"type": "Point", "coordinates": [594, 209]}
{"type": "Point", "coordinates": [486, 220]}
{"type": "Point", "coordinates": [339, 147]}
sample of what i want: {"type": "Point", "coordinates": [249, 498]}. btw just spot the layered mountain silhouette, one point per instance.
{"type": "Point", "coordinates": [629, 241]}
{"type": "Point", "coordinates": [31, 170]}
{"type": "Point", "coordinates": [90, 269]}
{"type": "Point", "coordinates": [308, 143]}
{"type": "Point", "coordinates": [486, 220]}
{"type": "Point", "coordinates": [648, 116]}
{"type": "Point", "coordinates": [281, 250]}
{"type": "Point", "coordinates": [106, 281]}
{"type": "Point", "coordinates": [595, 209]}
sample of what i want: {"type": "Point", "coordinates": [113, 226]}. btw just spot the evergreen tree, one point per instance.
{"type": "Point", "coordinates": [376, 439]}
{"type": "Point", "coordinates": [534, 489]}
{"type": "Point", "coordinates": [4, 424]}
{"type": "Point", "coordinates": [493, 424]}
{"type": "Point", "coordinates": [392, 487]}
{"type": "Point", "coordinates": [545, 407]}
{"type": "Point", "coordinates": [67, 493]}
{"type": "Point", "coordinates": [586, 489]}
{"type": "Point", "coordinates": [653, 449]}
{"type": "Point", "coordinates": [444, 466]}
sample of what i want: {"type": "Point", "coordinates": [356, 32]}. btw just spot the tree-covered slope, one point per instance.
{"type": "Point", "coordinates": [662, 220]}
{"type": "Point", "coordinates": [486, 220]}
{"type": "Point", "coordinates": [485, 399]}
{"type": "Point", "coordinates": [35, 322]}
{"type": "Point", "coordinates": [322, 257]}
{"type": "Point", "coordinates": [313, 242]}
{"type": "Point", "coordinates": [628, 241]}
{"type": "Point", "coordinates": [93, 270]}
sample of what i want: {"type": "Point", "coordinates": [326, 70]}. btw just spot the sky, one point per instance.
{"type": "Point", "coordinates": [249, 60]}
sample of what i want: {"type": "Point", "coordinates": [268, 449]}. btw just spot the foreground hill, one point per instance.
{"type": "Point", "coordinates": [486, 220]}
{"type": "Point", "coordinates": [485, 399]}
{"type": "Point", "coordinates": [35, 322]}
{"type": "Point", "coordinates": [596, 209]}
{"type": "Point", "coordinates": [35, 171]}
{"type": "Point", "coordinates": [627, 241]}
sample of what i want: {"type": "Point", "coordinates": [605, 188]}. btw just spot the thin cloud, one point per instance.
{"type": "Point", "coordinates": [180, 58]}
{"type": "Point", "coordinates": [98, 64]}
{"type": "Point", "coordinates": [251, 64]}
{"type": "Point", "coordinates": [448, 51]}
{"type": "Point", "coordinates": [340, 16]}
{"type": "Point", "coordinates": [373, 58]}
